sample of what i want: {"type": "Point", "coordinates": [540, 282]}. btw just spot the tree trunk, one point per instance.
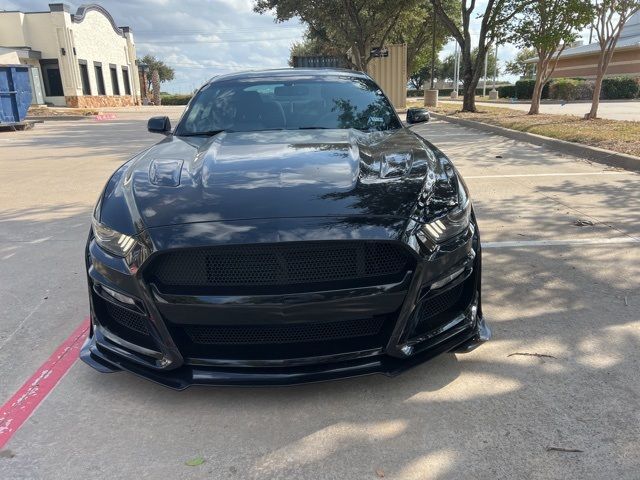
{"type": "Point", "coordinates": [535, 100]}
{"type": "Point", "coordinates": [155, 81]}
{"type": "Point", "coordinates": [603, 64]}
{"type": "Point", "coordinates": [595, 101]}
{"type": "Point", "coordinates": [469, 99]}
{"type": "Point", "coordinates": [469, 81]}
{"type": "Point", "coordinates": [357, 58]}
{"type": "Point", "coordinates": [537, 90]}
{"type": "Point", "coordinates": [606, 54]}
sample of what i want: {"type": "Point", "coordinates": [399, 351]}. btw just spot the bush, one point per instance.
{"type": "Point", "coordinates": [524, 89]}
{"type": "Point", "coordinates": [619, 88]}
{"type": "Point", "coordinates": [175, 99]}
{"type": "Point", "coordinates": [571, 89]}
{"type": "Point", "coordinates": [507, 91]}
{"type": "Point", "coordinates": [443, 92]}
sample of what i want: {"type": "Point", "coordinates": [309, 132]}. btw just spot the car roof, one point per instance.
{"type": "Point", "coordinates": [282, 73]}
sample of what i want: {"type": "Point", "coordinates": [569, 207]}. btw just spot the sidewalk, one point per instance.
{"type": "Point", "coordinates": [614, 110]}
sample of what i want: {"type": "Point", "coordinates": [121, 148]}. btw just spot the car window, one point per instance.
{"type": "Point", "coordinates": [255, 104]}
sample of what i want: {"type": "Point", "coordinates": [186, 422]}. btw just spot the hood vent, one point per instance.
{"type": "Point", "coordinates": [165, 172]}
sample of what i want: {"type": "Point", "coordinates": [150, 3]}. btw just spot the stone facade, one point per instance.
{"type": "Point", "coordinates": [95, 101]}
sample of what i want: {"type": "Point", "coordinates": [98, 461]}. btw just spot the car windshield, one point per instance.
{"type": "Point", "coordinates": [292, 103]}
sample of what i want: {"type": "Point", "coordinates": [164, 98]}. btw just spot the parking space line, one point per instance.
{"type": "Point", "coordinates": [567, 174]}
{"type": "Point", "coordinates": [556, 243]}
{"type": "Point", "coordinates": [17, 410]}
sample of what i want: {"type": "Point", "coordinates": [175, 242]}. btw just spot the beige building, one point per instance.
{"type": "Point", "coordinates": [79, 59]}
{"type": "Point", "coordinates": [390, 72]}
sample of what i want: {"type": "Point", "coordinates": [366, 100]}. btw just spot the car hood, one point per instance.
{"type": "Point", "coordinates": [273, 174]}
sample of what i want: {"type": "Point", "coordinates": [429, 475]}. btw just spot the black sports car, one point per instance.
{"type": "Point", "coordinates": [289, 229]}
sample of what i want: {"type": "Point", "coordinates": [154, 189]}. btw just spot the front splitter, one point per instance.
{"type": "Point", "coordinates": [101, 359]}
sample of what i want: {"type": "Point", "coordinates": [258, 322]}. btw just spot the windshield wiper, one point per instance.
{"type": "Point", "coordinates": [206, 133]}
{"type": "Point", "coordinates": [314, 128]}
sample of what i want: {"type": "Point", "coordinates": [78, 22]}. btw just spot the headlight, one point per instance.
{"type": "Point", "coordinates": [453, 222]}
{"type": "Point", "coordinates": [112, 241]}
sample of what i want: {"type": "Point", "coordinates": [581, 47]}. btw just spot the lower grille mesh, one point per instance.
{"type": "Point", "coordinates": [281, 334]}
{"type": "Point", "coordinates": [127, 318]}
{"type": "Point", "coordinates": [432, 307]}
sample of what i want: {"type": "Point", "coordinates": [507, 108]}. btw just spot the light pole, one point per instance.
{"type": "Point", "coordinates": [431, 95]}
{"type": "Point", "coordinates": [454, 91]}
{"type": "Point", "coordinates": [484, 82]}
{"type": "Point", "coordinates": [493, 95]}
{"type": "Point", "coordinates": [433, 45]}
{"type": "Point", "coordinates": [495, 68]}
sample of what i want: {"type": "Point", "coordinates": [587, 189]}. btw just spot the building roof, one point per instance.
{"type": "Point", "coordinates": [629, 39]}
{"type": "Point", "coordinates": [79, 15]}
{"type": "Point", "coordinates": [22, 52]}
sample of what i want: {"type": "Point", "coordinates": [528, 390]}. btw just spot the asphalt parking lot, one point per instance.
{"type": "Point", "coordinates": [561, 291]}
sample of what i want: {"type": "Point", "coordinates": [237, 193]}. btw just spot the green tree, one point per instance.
{"type": "Point", "coordinates": [448, 68]}
{"type": "Point", "coordinates": [548, 26]}
{"type": "Point", "coordinates": [608, 22]}
{"type": "Point", "coordinates": [311, 46]}
{"type": "Point", "coordinates": [419, 77]}
{"type": "Point", "coordinates": [517, 66]}
{"type": "Point", "coordinates": [351, 26]}
{"type": "Point", "coordinates": [165, 72]}
{"type": "Point", "coordinates": [495, 21]}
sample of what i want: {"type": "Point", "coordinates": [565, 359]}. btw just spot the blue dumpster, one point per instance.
{"type": "Point", "coordinates": [15, 94]}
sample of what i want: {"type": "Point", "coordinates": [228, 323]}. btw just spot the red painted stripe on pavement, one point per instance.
{"type": "Point", "coordinates": [25, 401]}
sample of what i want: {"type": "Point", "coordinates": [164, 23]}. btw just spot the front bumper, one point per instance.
{"type": "Point", "coordinates": [157, 355]}
{"type": "Point", "coordinates": [106, 356]}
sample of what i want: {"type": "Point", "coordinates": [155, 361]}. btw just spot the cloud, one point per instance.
{"type": "Point", "coordinates": [199, 39]}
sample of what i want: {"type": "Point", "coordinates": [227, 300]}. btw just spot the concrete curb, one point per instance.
{"type": "Point", "coordinates": [595, 154]}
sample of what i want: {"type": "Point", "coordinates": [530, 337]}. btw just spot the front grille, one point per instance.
{"type": "Point", "coordinates": [127, 318]}
{"type": "Point", "coordinates": [285, 267]}
{"type": "Point", "coordinates": [282, 334]}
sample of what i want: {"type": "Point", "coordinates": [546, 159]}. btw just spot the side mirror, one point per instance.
{"type": "Point", "coordinates": [418, 115]}
{"type": "Point", "coordinates": [159, 125]}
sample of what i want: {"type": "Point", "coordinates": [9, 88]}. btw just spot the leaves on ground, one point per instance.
{"type": "Point", "coordinates": [380, 472]}
{"type": "Point", "coordinates": [194, 462]}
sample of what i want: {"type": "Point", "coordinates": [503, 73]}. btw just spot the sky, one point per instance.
{"type": "Point", "coordinates": [204, 38]}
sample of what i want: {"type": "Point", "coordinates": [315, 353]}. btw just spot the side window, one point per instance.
{"type": "Point", "coordinates": [115, 85]}
{"type": "Point", "coordinates": [126, 81]}
{"type": "Point", "coordinates": [97, 66]}
{"type": "Point", "coordinates": [84, 77]}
